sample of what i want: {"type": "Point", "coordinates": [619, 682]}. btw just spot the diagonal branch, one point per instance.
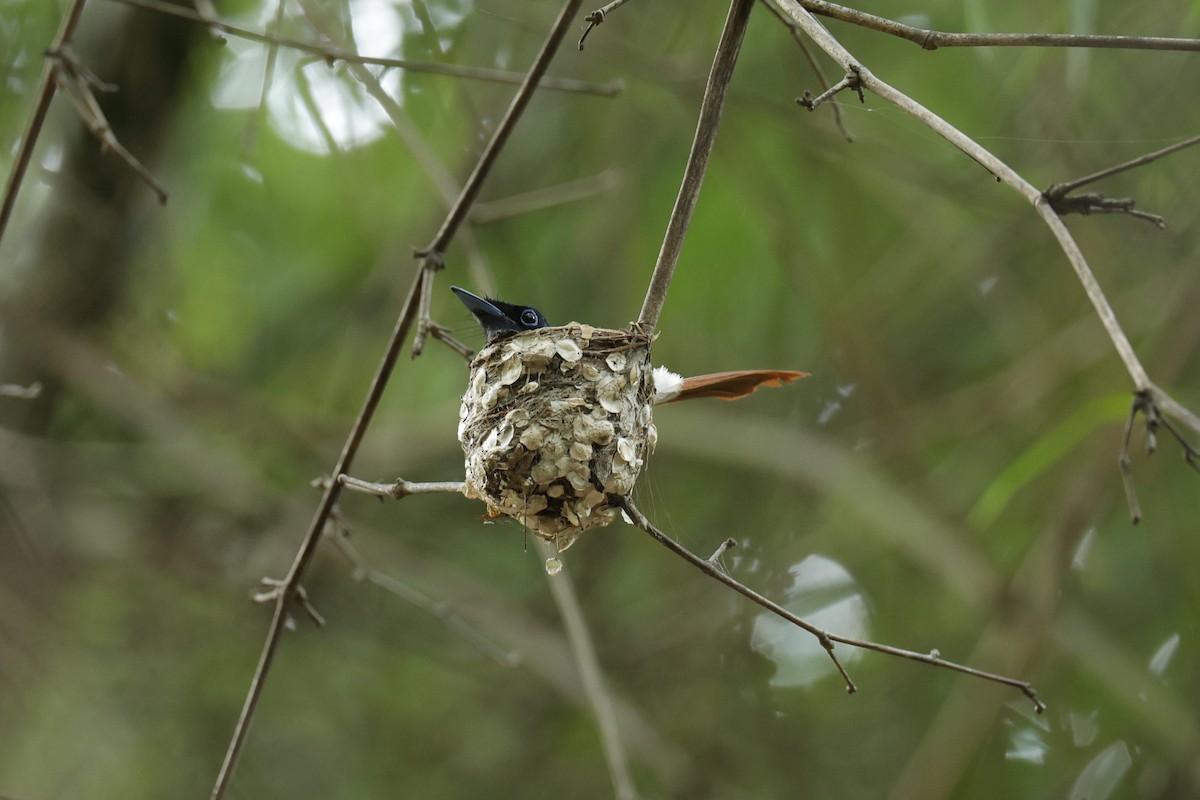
{"type": "Point", "coordinates": [710, 568]}
{"type": "Point", "coordinates": [815, 65]}
{"type": "Point", "coordinates": [76, 82]}
{"type": "Point", "coordinates": [289, 589]}
{"type": "Point", "coordinates": [1010, 177]}
{"type": "Point", "coordinates": [1060, 197]}
{"type": "Point", "coordinates": [33, 129]}
{"type": "Point", "coordinates": [432, 257]}
{"type": "Point", "coordinates": [693, 174]}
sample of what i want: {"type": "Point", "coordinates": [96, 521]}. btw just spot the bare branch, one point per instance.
{"type": "Point", "coordinates": [850, 81]}
{"type": "Point", "coordinates": [811, 58]}
{"type": "Point", "coordinates": [1063, 202]}
{"type": "Point", "coordinates": [932, 40]}
{"type": "Point", "coordinates": [1096, 203]}
{"type": "Point", "coordinates": [1154, 396]}
{"type": "Point", "coordinates": [500, 136]}
{"type": "Point", "coordinates": [400, 488]}
{"type": "Point", "coordinates": [1007, 175]}
{"type": "Point", "coordinates": [711, 107]}
{"type": "Point", "coordinates": [332, 54]}
{"type": "Point", "coordinates": [1143, 403]}
{"type": "Point", "coordinates": [596, 17]}
{"type": "Point", "coordinates": [290, 587]}
{"type": "Point", "coordinates": [76, 82]}
{"type": "Point", "coordinates": [46, 87]}
{"type": "Point", "coordinates": [1062, 189]}
{"type": "Point", "coordinates": [827, 639]}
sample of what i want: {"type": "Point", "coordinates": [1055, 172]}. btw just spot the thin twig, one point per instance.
{"type": "Point", "coordinates": [1135, 508]}
{"type": "Point", "coordinates": [1062, 189]}
{"type": "Point", "coordinates": [815, 65]}
{"type": "Point", "coordinates": [850, 81]}
{"type": "Point", "coordinates": [253, 124]}
{"type": "Point", "coordinates": [596, 17]}
{"type": "Point", "coordinates": [711, 106]}
{"type": "Point", "coordinates": [708, 568]}
{"type": "Point", "coordinates": [332, 54]}
{"type": "Point", "coordinates": [1143, 403]}
{"type": "Point", "coordinates": [1060, 198]}
{"type": "Point", "coordinates": [289, 588]}
{"type": "Point", "coordinates": [33, 128]}
{"type": "Point", "coordinates": [1097, 203]}
{"type": "Point", "coordinates": [443, 335]}
{"type": "Point", "coordinates": [432, 258]}
{"type": "Point", "coordinates": [487, 158]}
{"type": "Point", "coordinates": [932, 40]}
{"type": "Point", "coordinates": [826, 639]}
{"type": "Point", "coordinates": [579, 639]}
{"type": "Point", "coordinates": [424, 308]}
{"type": "Point", "coordinates": [205, 8]}
{"type": "Point", "coordinates": [400, 488]}
{"type": "Point", "coordinates": [76, 82]}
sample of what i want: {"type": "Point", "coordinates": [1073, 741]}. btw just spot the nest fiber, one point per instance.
{"type": "Point", "coordinates": [556, 424]}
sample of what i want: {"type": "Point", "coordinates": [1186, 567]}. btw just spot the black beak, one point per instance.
{"type": "Point", "coordinates": [490, 317]}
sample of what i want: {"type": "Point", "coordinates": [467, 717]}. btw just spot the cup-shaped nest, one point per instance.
{"type": "Point", "coordinates": [556, 424]}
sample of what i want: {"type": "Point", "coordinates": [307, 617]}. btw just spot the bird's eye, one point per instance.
{"type": "Point", "coordinates": [529, 317]}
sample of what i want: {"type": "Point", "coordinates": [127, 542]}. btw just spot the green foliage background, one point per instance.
{"type": "Point", "coordinates": [955, 450]}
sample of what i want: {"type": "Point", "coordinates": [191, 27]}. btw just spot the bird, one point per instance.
{"type": "Point", "coordinates": [499, 319]}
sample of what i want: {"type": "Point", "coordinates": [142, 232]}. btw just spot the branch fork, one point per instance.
{"type": "Point", "coordinates": [852, 80]}
{"type": "Point", "coordinates": [1144, 404]}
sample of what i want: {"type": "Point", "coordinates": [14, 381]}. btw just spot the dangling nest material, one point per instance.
{"type": "Point", "coordinates": [556, 424]}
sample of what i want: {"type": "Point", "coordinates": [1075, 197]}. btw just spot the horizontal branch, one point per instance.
{"type": "Point", "coordinates": [610, 89]}
{"type": "Point", "coordinates": [932, 40]}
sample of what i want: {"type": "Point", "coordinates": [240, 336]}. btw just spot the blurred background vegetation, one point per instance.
{"type": "Point", "coordinates": [946, 479]}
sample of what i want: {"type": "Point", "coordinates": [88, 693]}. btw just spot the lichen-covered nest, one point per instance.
{"type": "Point", "coordinates": [556, 424]}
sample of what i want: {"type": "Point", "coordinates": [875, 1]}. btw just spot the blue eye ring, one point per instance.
{"type": "Point", "coordinates": [530, 317]}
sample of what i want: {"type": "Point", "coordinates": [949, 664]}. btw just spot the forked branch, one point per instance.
{"type": "Point", "coordinates": [1063, 202]}
{"type": "Point", "coordinates": [1006, 174]}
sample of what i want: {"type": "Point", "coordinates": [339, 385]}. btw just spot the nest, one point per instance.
{"type": "Point", "coordinates": [556, 424]}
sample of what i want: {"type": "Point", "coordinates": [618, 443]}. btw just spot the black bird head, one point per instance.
{"type": "Point", "coordinates": [498, 318]}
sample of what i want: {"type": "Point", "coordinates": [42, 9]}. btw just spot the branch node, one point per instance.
{"type": "Point", "coordinates": [721, 550]}
{"type": "Point", "coordinates": [1064, 203]}
{"type": "Point", "coordinates": [275, 591]}
{"type": "Point", "coordinates": [432, 260]}
{"type": "Point", "coordinates": [399, 488]}
{"type": "Point", "coordinates": [852, 80]}
{"type": "Point", "coordinates": [593, 19]}
{"type": "Point", "coordinates": [1144, 403]}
